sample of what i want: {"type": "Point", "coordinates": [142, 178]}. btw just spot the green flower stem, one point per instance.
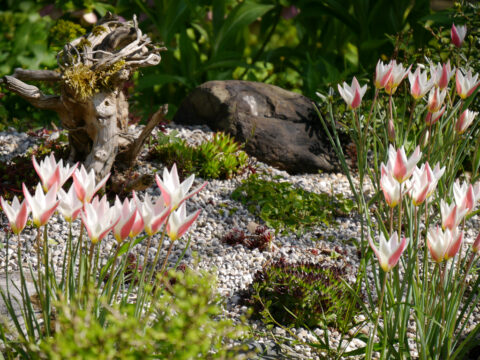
{"type": "Point", "coordinates": [391, 222]}
{"type": "Point", "coordinates": [112, 272]}
{"type": "Point", "coordinates": [400, 203]}
{"type": "Point", "coordinates": [155, 260]}
{"type": "Point", "coordinates": [145, 260]}
{"type": "Point", "coordinates": [380, 305]}
{"type": "Point", "coordinates": [166, 257]}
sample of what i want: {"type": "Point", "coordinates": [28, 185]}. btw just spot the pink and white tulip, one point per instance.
{"type": "Point", "coordinates": [42, 205]}
{"type": "Point", "coordinates": [390, 187]}
{"type": "Point", "coordinates": [99, 218]}
{"type": "Point", "coordinates": [466, 84]}
{"type": "Point", "coordinates": [153, 215]}
{"type": "Point", "coordinates": [85, 184]}
{"type": "Point", "coordinates": [399, 166]}
{"type": "Point", "coordinates": [17, 214]}
{"type": "Point", "coordinates": [432, 118]}
{"type": "Point", "coordinates": [173, 192]}
{"type": "Point", "coordinates": [126, 215]}
{"type": "Point", "coordinates": [398, 74]}
{"type": "Point", "coordinates": [388, 252]}
{"type": "Point", "coordinates": [51, 172]}
{"type": "Point", "coordinates": [352, 94]}
{"type": "Point", "coordinates": [457, 34]}
{"type": "Point", "coordinates": [452, 215]}
{"type": "Point", "coordinates": [465, 120]}
{"type": "Point", "coordinates": [443, 245]}
{"type": "Point", "coordinates": [419, 85]}
{"type": "Point", "coordinates": [70, 206]}
{"type": "Point", "coordinates": [441, 74]}
{"type": "Point", "coordinates": [466, 195]}
{"type": "Point", "coordinates": [382, 74]}
{"type": "Point", "coordinates": [179, 222]}
{"type": "Point", "coordinates": [436, 98]}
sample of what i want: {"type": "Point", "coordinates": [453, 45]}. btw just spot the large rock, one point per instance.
{"type": "Point", "coordinates": [279, 127]}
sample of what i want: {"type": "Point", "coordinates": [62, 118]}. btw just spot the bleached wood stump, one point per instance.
{"type": "Point", "coordinates": [92, 70]}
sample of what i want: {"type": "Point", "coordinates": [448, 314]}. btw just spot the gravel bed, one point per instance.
{"type": "Point", "coordinates": [234, 266]}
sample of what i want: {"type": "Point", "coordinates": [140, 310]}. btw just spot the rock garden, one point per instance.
{"type": "Point", "coordinates": [166, 195]}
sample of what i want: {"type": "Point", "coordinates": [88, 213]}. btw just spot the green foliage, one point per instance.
{"type": "Point", "coordinates": [302, 294]}
{"type": "Point", "coordinates": [185, 326]}
{"type": "Point", "coordinates": [284, 207]}
{"type": "Point", "coordinates": [220, 158]}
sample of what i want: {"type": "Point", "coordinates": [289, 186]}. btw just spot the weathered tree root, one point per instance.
{"type": "Point", "coordinates": [91, 105]}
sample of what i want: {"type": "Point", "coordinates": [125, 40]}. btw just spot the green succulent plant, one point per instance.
{"type": "Point", "coordinates": [220, 158]}
{"type": "Point", "coordinates": [302, 294]}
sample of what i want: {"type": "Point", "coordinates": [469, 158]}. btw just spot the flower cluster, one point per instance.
{"type": "Point", "coordinates": [125, 219]}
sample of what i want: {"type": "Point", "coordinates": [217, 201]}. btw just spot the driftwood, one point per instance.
{"type": "Point", "coordinates": [91, 73]}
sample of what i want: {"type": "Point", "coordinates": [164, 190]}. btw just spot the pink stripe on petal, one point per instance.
{"type": "Point", "coordinates": [165, 193]}
{"type": "Point", "coordinates": [184, 227]}
{"type": "Point", "coordinates": [46, 214]}
{"type": "Point", "coordinates": [396, 255]}
{"type": "Point", "coordinates": [357, 99]}
{"type": "Point", "coordinates": [79, 189]}
{"type": "Point", "coordinates": [416, 90]}
{"type": "Point", "coordinates": [453, 249]}
{"type": "Point", "coordinates": [22, 217]}
{"type": "Point", "coordinates": [399, 167]}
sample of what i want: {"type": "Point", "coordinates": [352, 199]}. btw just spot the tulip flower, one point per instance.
{"type": "Point", "coordinates": [17, 214]}
{"type": "Point", "coordinates": [389, 252]}
{"type": "Point", "coordinates": [382, 74]}
{"type": "Point", "coordinates": [70, 206]}
{"type": "Point", "coordinates": [138, 224]}
{"type": "Point", "coordinates": [418, 188]}
{"type": "Point", "coordinates": [391, 130]}
{"type": "Point", "coordinates": [465, 120]}
{"type": "Point", "coordinates": [466, 195]}
{"type": "Point", "coordinates": [99, 218]}
{"type": "Point", "coordinates": [458, 34]}
{"type": "Point", "coordinates": [398, 74]}
{"type": "Point", "coordinates": [178, 222]}
{"type": "Point", "coordinates": [443, 245]}
{"type": "Point", "coordinates": [85, 184]}
{"type": "Point", "coordinates": [452, 215]}
{"type": "Point", "coordinates": [466, 84]}
{"type": "Point", "coordinates": [435, 99]}
{"type": "Point", "coordinates": [126, 215]}
{"type": "Point", "coordinates": [173, 192]}
{"type": "Point", "coordinates": [432, 118]}
{"type": "Point", "coordinates": [419, 85]}
{"type": "Point", "coordinates": [51, 172]}
{"type": "Point", "coordinates": [399, 166]}
{"type": "Point", "coordinates": [441, 74]}
{"type": "Point", "coordinates": [352, 94]}
{"type": "Point", "coordinates": [390, 187]}
{"type": "Point", "coordinates": [42, 205]}
{"type": "Point", "coordinates": [153, 215]}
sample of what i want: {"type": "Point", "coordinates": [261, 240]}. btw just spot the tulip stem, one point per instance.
{"type": "Point", "coordinates": [400, 203]}
{"type": "Point", "coordinates": [166, 257]}
{"type": "Point", "coordinates": [145, 260]}
{"type": "Point", "coordinates": [112, 272]}
{"type": "Point", "coordinates": [380, 305]}
{"type": "Point", "coordinates": [155, 260]}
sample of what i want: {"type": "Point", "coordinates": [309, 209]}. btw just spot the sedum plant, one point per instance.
{"type": "Point", "coordinates": [220, 158]}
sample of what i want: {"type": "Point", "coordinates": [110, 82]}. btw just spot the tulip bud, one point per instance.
{"type": "Point", "coordinates": [458, 34]}
{"type": "Point", "coordinates": [426, 137]}
{"type": "Point", "coordinates": [391, 130]}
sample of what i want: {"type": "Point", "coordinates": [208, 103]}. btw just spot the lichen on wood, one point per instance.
{"type": "Point", "coordinates": [91, 105]}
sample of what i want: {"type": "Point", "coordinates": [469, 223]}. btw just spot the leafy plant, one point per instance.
{"type": "Point", "coordinates": [220, 158]}
{"type": "Point", "coordinates": [284, 207]}
{"type": "Point", "coordinates": [302, 294]}
{"type": "Point", "coordinates": [185, 326]}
